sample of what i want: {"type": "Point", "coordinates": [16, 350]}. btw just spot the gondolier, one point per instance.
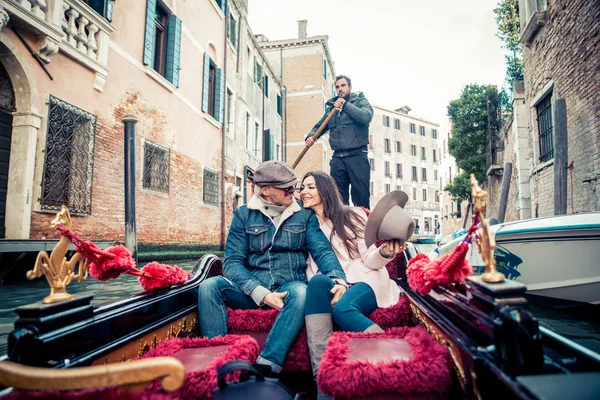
{"type": "Point", "coordinates": [349, 139]}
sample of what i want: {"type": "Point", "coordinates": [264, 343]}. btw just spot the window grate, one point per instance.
{"type": "Point", "coordinates": [211, 187]}
{"type": "Point", "coordinates": [545, 128]}
{"type": "Point", "coordinates": [157, 161]}
{"type": "Point", "coordinates": [7, 94]}
{"type": "Point", "coordinates": [69, 161]}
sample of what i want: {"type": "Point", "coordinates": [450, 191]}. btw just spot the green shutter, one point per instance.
{"type": "Point", "coordinates": [103, 7]}
{"type": "Point", "coordinates": [324, 68]}
{"type": "Point", "coordinates": [255, 70]}
{"type": "Point", "coordinates": [219, 94]}
{"type": "Point", "coordinates": [266, 86]}
{"type": "Point", "coordinates": [173, 49]}
{"type": "Point", "coordinates": [205, 83]}
{"type": "Point", "coordinates": [234, 32]}
{"type": "Point", "coordinates": [272, 146]}
{"type": "Point", "coordinates": [150, 32]}
{"type": "Point", "coordinates": [279, 104]}
{"type": "Point", "coordinates": [109, 10]}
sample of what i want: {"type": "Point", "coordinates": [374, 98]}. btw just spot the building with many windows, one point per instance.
{"type": "Point", "coordinates": [254, 106]}
{"type": "Point", "coordinates": [193, 75]}
{"type": "Point", "coordinates": [452, 213]}
{"type": "Point", "coordinates": [404, 154]}
{"type": "Point", "coordinates": [305, 68]}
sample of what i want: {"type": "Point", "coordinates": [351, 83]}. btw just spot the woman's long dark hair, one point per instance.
{"type": "Point", "coordinates": [348, 225]}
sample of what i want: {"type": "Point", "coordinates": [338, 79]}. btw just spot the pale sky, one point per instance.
{"type": "Point", "coordinates": [419, 53]}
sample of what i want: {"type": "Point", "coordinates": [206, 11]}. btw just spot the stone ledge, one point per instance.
{"type": "Point", "coordinates": [537, 20]}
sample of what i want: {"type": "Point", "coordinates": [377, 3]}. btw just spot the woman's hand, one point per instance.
{"type": "Point", "coordinates": [337, 291]}
{"type": "Point", "coordinates": [391, 248]}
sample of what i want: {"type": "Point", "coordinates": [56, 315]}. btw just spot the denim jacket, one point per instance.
{"type": "Point", "coordinates": [259, 253]}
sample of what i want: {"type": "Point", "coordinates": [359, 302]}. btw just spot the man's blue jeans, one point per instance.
{"type": "Point", "coordinates": [217, 293]}
{"type": "Point", "coordinates": [350, 311]}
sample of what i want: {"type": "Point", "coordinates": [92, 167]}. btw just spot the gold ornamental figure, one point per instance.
{"type": "Point", "coordinates": [58, 270]}
{"type": "Point", "coordinates": [485, 241]}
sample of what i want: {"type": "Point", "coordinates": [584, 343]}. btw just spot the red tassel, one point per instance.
{"type": "Point", "coordinates": [425, 274]}
{"type": "Point", "coordinates": [105, 267]}
{"type": "Point", "coordinates": [159, 276]}
{"type": "Point", "coordinates": [416, 273]}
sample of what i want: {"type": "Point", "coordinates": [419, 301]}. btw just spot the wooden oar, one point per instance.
{"type": "Point", "coordinates": [315, 137]}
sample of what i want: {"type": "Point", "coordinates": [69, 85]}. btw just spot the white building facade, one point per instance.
{"type": "Point", "coordinates": [404, 153]}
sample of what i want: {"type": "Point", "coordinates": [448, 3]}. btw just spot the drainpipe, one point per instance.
{"type": "Point", "coordinates": [224, 129]}
{"type": "Point", "coordinates": [284, 105]}
{"type": "Point", "coordinates": [262, 150]}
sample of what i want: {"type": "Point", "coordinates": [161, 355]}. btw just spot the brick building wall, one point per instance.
{"type": "Point", "coordinates": [563, 58]}
{"type": "Point", "coordinates": [169, 115]}
{"type": "Point", "coordinates": [179, 216]}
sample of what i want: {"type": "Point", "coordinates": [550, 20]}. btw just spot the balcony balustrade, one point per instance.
{"type": "Point", "coordinates": [70, 26]}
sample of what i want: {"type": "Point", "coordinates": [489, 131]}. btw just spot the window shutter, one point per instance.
{"type": "Point", "coordinates": [272, 146]}
{"type": "Point", "coordinates": [150, 32]}
{"type": "Point", "coordinates": [205, 83]}
{"type": "Point", "coordinates": [279, 104]}
{"type": "Point", "coordinates": [234, 32]}
{"type": "Point", "coordinates": [173, 49]}
{"type": "Point", "coordinates": [266, 86]}
{"type": "Point", "coordinates": [219, 94]}
{"type": "Point", "coordinates": [103, 7]}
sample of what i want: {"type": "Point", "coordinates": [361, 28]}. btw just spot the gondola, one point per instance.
{"type": "Point", "coordinates": [491, 346]}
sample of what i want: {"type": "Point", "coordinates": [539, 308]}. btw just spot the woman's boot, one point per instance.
{"type": "Point", "coordinates": [319, 327]}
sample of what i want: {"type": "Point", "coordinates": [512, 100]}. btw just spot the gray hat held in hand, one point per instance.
{"type": "Point", "coordinates": [389, 220]}
{"type": "Point", "coordinates": [275, 174]}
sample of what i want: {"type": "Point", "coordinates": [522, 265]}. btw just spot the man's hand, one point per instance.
{"type": "Point", "coordinates": [275, 300]}
{"type": "Point", "coordinates": [337, 291]}
{"type": "Point", "coordinates": [339, 104]}
{"type": "Point", "coordinates": [309, 141]}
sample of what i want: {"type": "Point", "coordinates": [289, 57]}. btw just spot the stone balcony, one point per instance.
{"type": "Point", "coordinates": [69, 26]}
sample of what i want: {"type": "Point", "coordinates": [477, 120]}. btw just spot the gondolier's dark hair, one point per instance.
{"type": "Point", "coordinates": [337, 78]}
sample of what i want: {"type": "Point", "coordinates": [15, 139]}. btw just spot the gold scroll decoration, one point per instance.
{"type": "Point", "coordinates": [56, 268]}
{"type": "Point", "coordinates": [485, 241]}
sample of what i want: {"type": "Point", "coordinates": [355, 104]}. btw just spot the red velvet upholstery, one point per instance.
{"type": "Point", "coordinates": [257, 323]}
{"type": "Point", "coordinates": [401, 361]}
{"type": "Point", "coordinates": [204, 357]}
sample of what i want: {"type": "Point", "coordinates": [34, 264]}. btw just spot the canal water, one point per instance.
{"type": "Point", "coordinates": [26, 292]}
{"type": "Point", "coordinates": [580, 325]}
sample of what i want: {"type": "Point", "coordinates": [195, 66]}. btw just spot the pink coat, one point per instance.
{"type": "Point", "coordinates": [369, 268]}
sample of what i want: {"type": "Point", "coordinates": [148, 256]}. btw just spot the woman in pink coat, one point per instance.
{"type": "Point", "coordinates": [369, 283]}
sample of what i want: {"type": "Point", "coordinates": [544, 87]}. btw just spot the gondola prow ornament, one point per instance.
{"type": "Point", "coordinates": [58, 271]}
{"type": "Point", "coordinates": [425, 274]}
{"type": "Point", "coordinates": [101, 264]}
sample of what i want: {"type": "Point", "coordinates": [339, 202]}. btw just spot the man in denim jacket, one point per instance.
{"type": "Point", "coordinates": [265, 263]}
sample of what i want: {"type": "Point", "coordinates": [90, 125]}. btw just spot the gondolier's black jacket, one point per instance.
{"type": "Point", "coordinates": [348, 129]}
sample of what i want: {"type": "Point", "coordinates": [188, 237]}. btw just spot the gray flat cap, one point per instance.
{"type": "Point", "coordinates": [276, 174]}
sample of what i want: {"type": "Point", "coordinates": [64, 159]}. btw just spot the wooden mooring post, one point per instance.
{"type": "Point", "coordinates": [129, 124]}
{"type": "Point", "coordinates": [561, 157]}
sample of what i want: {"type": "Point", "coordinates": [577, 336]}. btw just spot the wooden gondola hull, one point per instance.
{"type": "Point", "coordinates": [492, 350]}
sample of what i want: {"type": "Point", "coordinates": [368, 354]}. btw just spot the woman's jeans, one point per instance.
{"type": "Point", "coordinates": [350, 312]}
{"type": "Point", "coordinates": [217, 293]}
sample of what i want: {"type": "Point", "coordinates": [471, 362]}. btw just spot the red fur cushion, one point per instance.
{"type": "Point", "coordinates": [201, 384]}
{"type": "Point", "coordinates": [298, 358]}
{"type": "Point", "coordinates": [429, 370]}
